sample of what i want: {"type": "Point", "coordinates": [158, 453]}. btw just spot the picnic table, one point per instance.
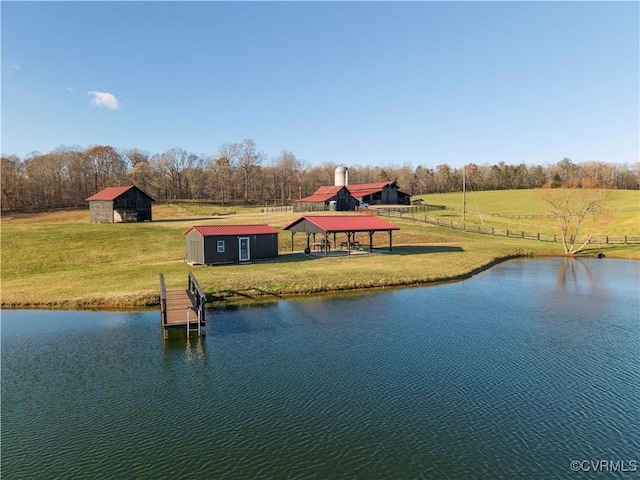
{"type": "Point", "coordinates": [321, 246]}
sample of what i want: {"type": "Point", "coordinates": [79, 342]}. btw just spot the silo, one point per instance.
{"type": "Point", "coordinates": [342, 176]}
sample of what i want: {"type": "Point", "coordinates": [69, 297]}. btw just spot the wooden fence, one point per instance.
{"type": "Point", "coordinates": [284, 208]}
{"type": "Point", "coordinates": [541, 237]}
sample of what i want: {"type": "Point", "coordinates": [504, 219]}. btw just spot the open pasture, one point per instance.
{"type": "Point", "coordinates": [526, 211]}
{"type": "Point", "coordinates": [61, 260]}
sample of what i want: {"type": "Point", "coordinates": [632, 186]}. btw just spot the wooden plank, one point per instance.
{"type": "Point", "coordinates": [178, 303]}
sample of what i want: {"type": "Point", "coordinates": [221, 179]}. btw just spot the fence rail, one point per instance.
{"type": "Point", "coordinates": [284, 208]}
{"type": "Point", "coordinates": [541, 237]}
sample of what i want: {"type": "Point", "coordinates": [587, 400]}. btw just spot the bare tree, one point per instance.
{"type": "Point", "coordinates": [11, 172]}
{"type": "Point", "coordinates": [249, 160]}
{"type": "Point", "coordinates": [220, 170]}
{"type": "Point", "coordinates": [106, 165]}
{"type": "Point", "coordinates": [286, 165]}
{"type": "Point", "coordinates": [571, 207]}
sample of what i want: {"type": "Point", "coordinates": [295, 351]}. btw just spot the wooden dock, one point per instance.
{"type": "Point", "coordinates": [183, 310]}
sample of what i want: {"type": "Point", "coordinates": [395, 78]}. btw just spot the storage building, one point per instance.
{"type": "Point", "coordinates": [221, 244]}
{"type": "Point", "coordinates": [120, 204]}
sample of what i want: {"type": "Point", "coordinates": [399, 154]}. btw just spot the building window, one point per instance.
{"type": "Point", "coordinates": [220, 246]}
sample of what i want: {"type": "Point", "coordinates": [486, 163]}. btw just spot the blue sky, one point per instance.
{"type": "Point", "coordinates": [359, 83]}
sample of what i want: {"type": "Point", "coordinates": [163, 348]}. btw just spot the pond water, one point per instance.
{"type": "Point", "coordinates": [514, 373]}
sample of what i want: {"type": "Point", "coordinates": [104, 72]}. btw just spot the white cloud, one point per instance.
{"type": "Point", "coordinates": [12, 67]}
{"type": "Point", "coordinates": [69, 89]}
{"type": "Point", "coordinates": [104, 100]}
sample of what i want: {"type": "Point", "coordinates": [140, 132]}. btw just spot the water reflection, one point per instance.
{"type": "Point", "coordinates": [573, 273]}
{"type": "Point", "coordinates": [192, 349]}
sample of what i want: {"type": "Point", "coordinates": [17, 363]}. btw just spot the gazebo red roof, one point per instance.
{"type": "Point", "coordinates": [223, 230]}
{"type": "Point", "coordinates": [345, 223]}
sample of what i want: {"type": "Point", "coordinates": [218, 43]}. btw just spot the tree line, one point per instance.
{"type": "Point", "coordinates": [239, 173]}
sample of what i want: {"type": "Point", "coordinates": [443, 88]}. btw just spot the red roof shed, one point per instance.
{"type": "Point", "coordinates": [219, 244]}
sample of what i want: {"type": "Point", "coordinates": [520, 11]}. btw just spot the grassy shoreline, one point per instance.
{"type": "Point", "coordinates": [145, 301]}
{"type": "Point", "coordinates": [59, 260]}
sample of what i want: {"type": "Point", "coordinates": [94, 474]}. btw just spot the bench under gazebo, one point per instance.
{"type": "Point", "coordinates": [326, 225]}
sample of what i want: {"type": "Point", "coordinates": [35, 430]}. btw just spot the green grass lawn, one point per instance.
{"type": "Point", "coordinates": [61, 260]}
{"type": "Point", "coordinates": [623, 217]}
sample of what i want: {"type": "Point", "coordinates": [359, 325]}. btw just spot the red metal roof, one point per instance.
{"type": "Point", "coordinates": [218, 230]}
{"type": "Point", "coordinates": [346, 223]}
{"type": "Point", "coordinates": [111, 193]}
{"type": "Point", "coordinates": [363, 193]}
{"type": "Point", "coordinates": [322, 194]}
{"type": "Point", "coordinates": [374, 187]}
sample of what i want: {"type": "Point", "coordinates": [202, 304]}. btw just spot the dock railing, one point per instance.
{"type": "Point", "coordinates": [199, 295]}
{"type": "Point", "coordinates": [163, 299]}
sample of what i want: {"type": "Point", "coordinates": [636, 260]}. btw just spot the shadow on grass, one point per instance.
{"type": "Point", "coordinates": [417, 249]}
{"type": "Point", "coordinates": [173, 220]}
{"type": "Point", "coordinates": [397, 250]}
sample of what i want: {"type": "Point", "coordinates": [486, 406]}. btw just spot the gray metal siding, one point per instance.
{"type": "Point", "coordinates": [194, 248]}
{"type": "Point", "coordinates": [101, 211]}
{"type": "Point", "coordinates": [264, 246]}
{"type": "Point", "coordinates": [230, 254]}
{"type": "Point", "coordinates": [305, 226]}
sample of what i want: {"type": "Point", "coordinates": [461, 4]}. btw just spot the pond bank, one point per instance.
{"type": "Point", "coordinates": [146, 300]}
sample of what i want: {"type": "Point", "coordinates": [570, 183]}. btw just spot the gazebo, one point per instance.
{"type": "Point", "coordinates": [334, 224]}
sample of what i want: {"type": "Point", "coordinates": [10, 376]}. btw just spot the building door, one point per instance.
{"type": "Point", "coordinates": [243, 249]}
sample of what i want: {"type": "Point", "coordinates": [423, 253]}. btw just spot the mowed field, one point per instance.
{"type": "Point", "coordinates": [622, 216]}
{"type": "Point", "coordinates": [61, 260]}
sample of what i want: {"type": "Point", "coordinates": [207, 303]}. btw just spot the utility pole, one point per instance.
{"type": "Point", "coordinates": [464, 194]}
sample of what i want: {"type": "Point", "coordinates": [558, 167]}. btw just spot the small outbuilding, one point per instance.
{"type": "Point", "coordinates": [222, 244]}
{"type": "Point", "coordinates": [349, 225]}
{"type": "Point", "coordinates": [120, 204]}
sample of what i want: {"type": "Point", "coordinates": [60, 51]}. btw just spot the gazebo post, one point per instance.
{"type": "Point", "coordinates": [292, 234]}
{"type": "Point", "coordinates": [326, 243]}
{"type": "Point", "coordinates": [390, 240]}
{"type": "Point", "coordinates": [348, 243]}
{"type": "Point", "coordinates": [371, 241]}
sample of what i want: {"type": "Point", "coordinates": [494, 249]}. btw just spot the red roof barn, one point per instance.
{"type": "Point", "coordinates": [326, 197]}
{"type": "Point", "coordinates": [120, 204]}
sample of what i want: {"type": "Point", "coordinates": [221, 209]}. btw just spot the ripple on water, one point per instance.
{"type": "Point", "coordinates": [479, 379]}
